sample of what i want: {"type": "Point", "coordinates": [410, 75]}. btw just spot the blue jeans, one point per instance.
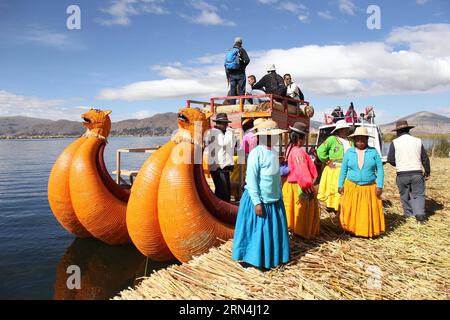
{"type": "Point", "coordinates": [256, 92]}
{"type": "Point", "coordinates": [237, 86]}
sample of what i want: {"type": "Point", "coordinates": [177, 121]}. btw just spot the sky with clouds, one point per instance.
{"type": "Point", "coordinates": [141, 57]}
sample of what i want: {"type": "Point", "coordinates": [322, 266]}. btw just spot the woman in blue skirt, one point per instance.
{"type": "Point", "coordinates": [261, 235]}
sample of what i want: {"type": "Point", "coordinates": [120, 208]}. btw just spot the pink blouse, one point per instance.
{"type": "Point", "coordinates": [250, 141]}
{"type": "Point", "coordinates": [301, 168]}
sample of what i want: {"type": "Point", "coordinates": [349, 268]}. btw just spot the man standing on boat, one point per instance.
{"type": "Point", "coordinates": [236, 61]}
{"type": "Point", "coordinates": [408, 155]}
{"type": "Point", "coordinates": [220, 142]}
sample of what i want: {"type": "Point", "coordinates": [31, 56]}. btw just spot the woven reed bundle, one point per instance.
{"type": "Point", "coordinates": [409, 262]}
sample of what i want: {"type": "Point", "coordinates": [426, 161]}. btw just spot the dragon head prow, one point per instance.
{"type": "Point", "coordinates": [97, 122]}
{"type": "Point", "coordinates": [192, 124]}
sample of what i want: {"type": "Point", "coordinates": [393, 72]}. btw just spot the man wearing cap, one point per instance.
{"type": "Point", "coordinates": [219, 146]}
{"type": "Point", "coordinates": [236, 61]}
{"type": "Point", "coordinates": [272, 82]}
{"type": "Point", "coordinates": [408, 155]}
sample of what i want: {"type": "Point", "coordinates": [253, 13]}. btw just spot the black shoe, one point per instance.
{"type": "Point", "coordinates": [421, 220]}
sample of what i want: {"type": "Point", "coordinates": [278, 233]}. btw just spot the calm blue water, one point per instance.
{"type": "Point", "coordinates": [35, 250]}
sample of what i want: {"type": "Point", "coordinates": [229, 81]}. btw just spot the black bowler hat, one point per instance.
{"type": "Point", "coordinates": [222, 117]}
{"type": "Point", "coordinates": [300, 127]}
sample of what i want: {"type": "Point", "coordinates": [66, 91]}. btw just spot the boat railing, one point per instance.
{"type": "Point", "coordinates": [130, 173]}
{"type": "Point", "coordinates": [272, 99]}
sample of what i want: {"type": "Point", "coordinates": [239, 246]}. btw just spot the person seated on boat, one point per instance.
{"type": "Point", "coordinates": [271, 83]}
{"type": "Point", "coordinates": [261, 236]}
{"type": "Point", "coordinates": [301, 204]}
{"type": "Point", "coordinates": [219, 146]}
{"type": "Point", "coordinates": [251, 80]}
{"type": "Point", "coordinates": [369, 114]}
{"type": "Point", "coordinates": [292, 89]}
{"type": "Point", "coordinates": [331, 152]}
{"type": "Point", "coordinates": [361, 186]}
{"type": "Point", "coordinates": [337, 114]}
{"type": "Point", "coordinates": [351, 116]}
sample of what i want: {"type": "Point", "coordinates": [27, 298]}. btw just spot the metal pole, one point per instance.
{"type": "Point", "coordinates": [118, 167]}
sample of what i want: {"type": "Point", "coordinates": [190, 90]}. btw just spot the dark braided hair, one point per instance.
{"type": "Point", "coordinates": [294, 137]}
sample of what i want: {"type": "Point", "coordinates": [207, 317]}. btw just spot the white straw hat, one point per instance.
{"type": "Point", "coordinates": [361, 131]}
{"type": "Point", "coordinates": [269, 128]}
{"type": "Point", "coordinates": [341, 124]}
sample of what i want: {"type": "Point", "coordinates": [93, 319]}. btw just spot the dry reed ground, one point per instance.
{"type": "Point", "coordinates": [409, 262]}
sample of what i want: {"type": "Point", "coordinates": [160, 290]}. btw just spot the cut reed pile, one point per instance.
{"type": "Point", "coordinates": [409, 262]}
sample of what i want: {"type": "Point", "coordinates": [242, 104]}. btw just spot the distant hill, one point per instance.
{"type": "Point", "coordinates": [424, 122]}
{"type": "Point", "coordinates": [164, 124]}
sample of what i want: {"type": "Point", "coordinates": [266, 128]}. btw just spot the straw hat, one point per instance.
{"type": "Point", "coordinates": [269, 128]}
{"type": "Point", "coordinates": [361, 131]}
{"type": "Point", "coordinates": [299, 127]}
{"type": "Point", "coordinates": [238, 40]}
{"type": "Point", "coordinates": [402, 124]}
{"type": "Point", "coordinates": [341, 124]}
{"type": "Point", "coordinates": [257, 123]}
{"type": "Point", "coordinates": [271, 68]}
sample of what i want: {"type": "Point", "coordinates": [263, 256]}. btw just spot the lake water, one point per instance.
{"type": "Point", "coordinates": [35, 250]}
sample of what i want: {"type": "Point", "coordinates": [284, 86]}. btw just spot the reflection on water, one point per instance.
{"type": "Point", "coordinates": [105, 270]}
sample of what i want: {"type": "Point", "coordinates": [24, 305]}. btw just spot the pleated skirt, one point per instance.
{"type": "Point", "coordinates": [361, 212]}
{"type": "Point", "coordinates": [261, 241]}
{"type": "Point", "coordinates": [328, 188]}
{"type": "Point", "coordinates": [303, 217]}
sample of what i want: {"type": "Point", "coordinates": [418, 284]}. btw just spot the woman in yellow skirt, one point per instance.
{"type": "Point", "coordinates": [361, 186]}
{"type": "Point", "coordinates": [300, 202]}
{"type": "Point", "coordinates": [331, 152]}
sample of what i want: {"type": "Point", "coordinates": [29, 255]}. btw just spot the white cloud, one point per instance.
{"type": "Point", "coordinates": [120, 11]}
{"type": "Point", "coordinates": [16, 105]}
{"type": "Point", "coordinates": [425, 39]}
{"type": "Point", "coordinates": [325, 15]}
{"type": "Point", "coordinates": [207, 15]}
{"type": "Point", "coordinates": [359, 69]}
{"type": "Point", "coordinates": [347, 7]}
{"type": "Point", "coordinates": [421, 2]}
{"type": "Point", "coordinates": [292, 7]}
{"type": "Point", "coordinates": [59, 40]}
{"type": "Point", "coordinates": [158, 89]}
{"type": "Point", "coordinates": [296, 8]}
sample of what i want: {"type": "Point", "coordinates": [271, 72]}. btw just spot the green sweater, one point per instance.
{"type": "Point", "coordinates": [331, 149]}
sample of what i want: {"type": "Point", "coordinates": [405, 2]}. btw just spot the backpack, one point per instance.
{"type": "Point", "coordinates": [233, 59]}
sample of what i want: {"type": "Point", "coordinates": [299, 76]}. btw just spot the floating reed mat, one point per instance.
{"type": "Point", "coordinates": [409, 261]}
